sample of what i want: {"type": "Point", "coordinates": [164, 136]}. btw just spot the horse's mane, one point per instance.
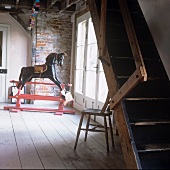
{"type": "Point", "coordinates": [50, 57]}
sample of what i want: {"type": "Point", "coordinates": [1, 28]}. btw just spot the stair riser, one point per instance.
{"type": "Point", "coordinates": [155, 160]}
{"type": "Point", "coordinates": [153, 110]}
{"type": "Point", "coordinates": [151, 134]}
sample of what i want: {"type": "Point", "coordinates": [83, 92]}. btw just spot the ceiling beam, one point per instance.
{"type": "Point", "coordinates": [67, 3]}
{"type": "Point", "coordinates": [17, 4]}
{"type": "Point", "coordinates": [0, 3]}
{"type": "Point", "coordinates": [50, 3]}
{"type": "Point", "coordinates": [21, 22]}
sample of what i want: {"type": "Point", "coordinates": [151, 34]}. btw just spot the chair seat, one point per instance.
{"type": "Point", "coordinates": [96, 112]}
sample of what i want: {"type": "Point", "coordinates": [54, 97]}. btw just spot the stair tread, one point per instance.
{"type": "Point", "coordinates": [153, 147]}
{"type": "Point", "coordinates": [146, 98]}
{"type": "Point", "coordinates": [148, 78]}
{"type": "Point", "coordinates": [143, 123]}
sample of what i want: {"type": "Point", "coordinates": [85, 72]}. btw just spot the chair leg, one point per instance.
{"type": "Point", "coordinates": [111, 131]}
{"type": "Point", "coordinates": [106, 133]}
{"type": "Point", "coordinates": [78, 131]}
{"type": "Point", "coordinates": [87, 127]}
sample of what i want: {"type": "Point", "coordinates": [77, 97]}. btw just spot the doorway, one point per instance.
{"type": "Point", "coordinates": [3, 61]}
{"type": "Point", "coordinates": [89, 78]}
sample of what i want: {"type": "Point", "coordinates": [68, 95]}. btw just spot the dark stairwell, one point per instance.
{"type": "Point", "coordinates": [146, 108]}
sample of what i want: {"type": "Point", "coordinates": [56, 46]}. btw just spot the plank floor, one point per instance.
{"type": "Point", "coordinates": [37, 140]}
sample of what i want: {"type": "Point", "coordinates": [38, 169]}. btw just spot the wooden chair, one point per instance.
{"type": "Point", "coordinates": [96, 112]}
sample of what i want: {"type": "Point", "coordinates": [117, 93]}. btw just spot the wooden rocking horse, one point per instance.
{"type": "Point", "coordinates": [46, 70]}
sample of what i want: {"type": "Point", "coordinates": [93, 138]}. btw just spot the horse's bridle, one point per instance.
{"type": "Point", "coordinates": [60, 58]}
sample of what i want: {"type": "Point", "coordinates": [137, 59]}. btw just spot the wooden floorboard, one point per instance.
{"type": "Point", "coordinates": [37, 140]}
{"type": "Point", "coordinates": [9, 156]}
{"type": "Point", "coordinates": [27, 152]}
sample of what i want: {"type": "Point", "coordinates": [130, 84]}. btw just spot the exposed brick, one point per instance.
{"type": "Point", "coordinates": [40, 45]}
{"type": "Point", "coordinates": [54, 34]}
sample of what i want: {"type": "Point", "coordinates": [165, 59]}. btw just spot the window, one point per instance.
{"type": "Point", "coordinates": [90, 83]}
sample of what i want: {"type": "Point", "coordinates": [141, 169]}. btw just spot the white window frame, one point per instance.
{"type": "Point", "coordinates": [81, 100]}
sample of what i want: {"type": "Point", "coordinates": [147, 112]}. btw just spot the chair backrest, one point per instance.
{"type": "Point", "coordinates": [106, 105]}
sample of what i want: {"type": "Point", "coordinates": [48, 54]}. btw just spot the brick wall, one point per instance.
{"type": "Point", "coordinates": [53, 34]}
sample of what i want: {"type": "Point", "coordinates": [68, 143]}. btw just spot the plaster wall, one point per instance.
{"type": "Point", "coordinates": [157, 15]}
{"type": "Point", "coordinates": [19, 48]}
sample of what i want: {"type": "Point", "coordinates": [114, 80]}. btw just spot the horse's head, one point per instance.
{"type": "Point", "coordinates": [55, 58]}
{"type": "Point", "coordinates": [60, 58]}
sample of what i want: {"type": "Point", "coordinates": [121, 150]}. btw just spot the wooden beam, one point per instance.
{"type": "Point", "coordinates": [104, 61]}
{"type": "Point", "coordinates": [102, 41]}
{"type": "Point", "coordinates": [134, 79]}
{"type": "Point", "coordinates": [67, 3]}
{"type": "Point", "coordinates": [105, 106]}
{"type": "Point", "coordinates": [95, 18]}
{"type": "Point", "coordinates": [21, 22]}
{"type": "Point", "coordinates": [125, 138]}
{"type": "Point", "coordinates": [17, 4]}
{"type": "Point", "coordinates": [0, 3]}
{"type": "Point", "coordinates": [103, 51]}
{"type": "Point", "coordinates": [50, 3]}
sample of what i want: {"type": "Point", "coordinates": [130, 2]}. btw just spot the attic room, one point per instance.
{"type": "Point", "coordinates": [73, 69]}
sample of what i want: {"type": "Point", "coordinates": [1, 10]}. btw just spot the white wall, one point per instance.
{"type": "Point", "coordinates": [19, 48]}
{"type": "Point", "coordinates": [157, 15]}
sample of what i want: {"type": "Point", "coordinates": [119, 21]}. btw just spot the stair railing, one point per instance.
{"type": "Point", "coordinates": [140, 73]}
{"type": "Point", "coordinates": [118, 94]}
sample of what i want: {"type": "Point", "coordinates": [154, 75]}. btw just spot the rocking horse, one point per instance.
{"type": "Point", "coordinates": [46, 70]}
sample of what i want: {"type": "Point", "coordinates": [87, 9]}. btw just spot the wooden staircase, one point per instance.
{"type": "Point", "coordinates": [138, 84]}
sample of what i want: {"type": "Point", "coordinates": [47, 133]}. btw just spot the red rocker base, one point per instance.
{"type": "Point", "coordinates": [20, 96]}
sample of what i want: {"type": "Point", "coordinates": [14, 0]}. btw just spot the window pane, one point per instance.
{"type": "Point", "coordinates": [80, 57]}
{"type": "Point", "coordinates": [81, 37]}
{"type": "Point", "coordinates": [79, 81]}
{"type": "Point", "coordinates": [103, 89]}
{"type": "Point", "coordinates": [91, 33]}
{"type": "Point", "coordinates": [92, 56]}
{"type": "Point", "coordinates": [92, 52]}
{"type": "Point", "coordinates": [90, 84]}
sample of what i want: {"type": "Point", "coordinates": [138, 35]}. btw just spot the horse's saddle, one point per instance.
{"type": "Point", "coordinates": [40, 68]}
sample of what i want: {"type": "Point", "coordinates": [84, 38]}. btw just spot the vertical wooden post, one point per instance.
{"type": "Point", "coordinates": [102, 40]}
